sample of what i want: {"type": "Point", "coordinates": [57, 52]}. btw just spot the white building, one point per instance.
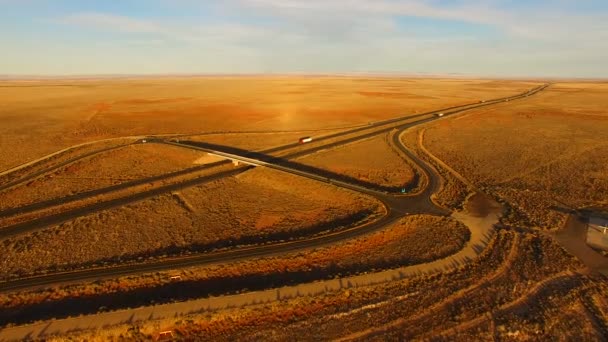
{"type": "Point", "coordinates": [597, 234]}
{"type": "Point", "coordinates": [598, 223]}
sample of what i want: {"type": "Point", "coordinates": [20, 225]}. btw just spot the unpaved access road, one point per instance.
{"type": "Point", "coordinates": [481, 228]}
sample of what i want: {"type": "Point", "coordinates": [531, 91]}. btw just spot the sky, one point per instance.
{"type": "Point", "coordinates": [511, 38]}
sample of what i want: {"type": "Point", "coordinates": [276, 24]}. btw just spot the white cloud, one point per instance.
{"type": "Point", "coordinates": [220, 32]}
{"type": "Point", "coordinates": [544, 23]}
{"type": "Point", "coordinates": [356, 35]}
{"type": "Point", "coordinates": [112, 22]}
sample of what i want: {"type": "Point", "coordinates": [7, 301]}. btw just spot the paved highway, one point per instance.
{"type": "Point", "coordinates": [396, 207]}
{"type": "Point", "coordinates": [157, 138]}
{"type": "Point", "coordinates": [177, 177]}
{"type": "Point", "coordinates": [54, 219]}
{"type": "Point", "coordinates": [37, 174]}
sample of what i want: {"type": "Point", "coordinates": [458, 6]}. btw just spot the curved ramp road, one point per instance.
{"type": "Point", "coordinates": [481, 232]}
{"type": "Point", "coordinates": [396, 208]}
{"type": "Point", "coordinates": [54, 219]}
{"type": "Point", "coordinates": [56, 202]}
{"type": "Point", "coordinates": [161, 137]}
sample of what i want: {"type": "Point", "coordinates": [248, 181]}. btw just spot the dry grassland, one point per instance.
{"type": "Point", "coordinates": [102, 170]}
{"type": "Point", "coordinates": [253, 207]}
{"type": "Point", "coordinates": [504, 295]}
{"type": "Point", "coordinates": [372, 161]}
{"type": "Point", "coordinates": [65, 156]}
{"type": "Point", "coordinates": [413, 240]}
{"type": "Point", "coordinates": [453, 192]}
{"type": "Point", "coordinates": [494, 291]}
{"type": "Point", "coordinates": [537, 153]}
{"type": "Point", "coordinates": [41, 117]}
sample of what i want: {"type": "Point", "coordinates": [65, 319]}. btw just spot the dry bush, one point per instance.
{"type": "Point", "coordinates": [413, 240]}
{"type": "Point", "coordinates": [520, 286]}
{"type": "Point", "coordinates": [371, 160]}
{"type": "Point", "coordinates": [425, 306]}
{"type": "Point", "coordinates": [42, 117]}
{"type": "Point", "coordinates": [453, 193]}
{"type": "Point", "coordinates": [534, 154]}
{"type": "Point", "coordinates": [102, 170]}
{"type": "Point", "coordinates": [253, 207]}
{"type": "Point", "coordinates": [60, 157]}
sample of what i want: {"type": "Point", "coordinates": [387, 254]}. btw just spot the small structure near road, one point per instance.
{"type": "Point", "coordinates": [165, 335]}
{"type": "Point", "coordinates": [597, 232]}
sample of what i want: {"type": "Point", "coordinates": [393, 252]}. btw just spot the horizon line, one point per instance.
{"type": "Point", "coordinates": [43, 77]}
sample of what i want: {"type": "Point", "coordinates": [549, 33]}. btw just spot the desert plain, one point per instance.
{"type": "Point", "coordinates": [442, 208]}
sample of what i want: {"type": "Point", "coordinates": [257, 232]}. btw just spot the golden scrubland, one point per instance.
{"type": "Point", "coordinates": [253, 207]}
{"type": "Point", "coordinates": [410, 241]}
{"type": "Point", "coordinates": [41, 117]}
{"type": "Point", "coordinates": [504, 294]}
{"type": "Point", "coordinates": [105, 169]}
{"type": "Point", "coordinates": [537, 156]}
{"type": "Point", "coordinates": [372, 161]}
{"type": "Point", "coordinates": [545, 151]}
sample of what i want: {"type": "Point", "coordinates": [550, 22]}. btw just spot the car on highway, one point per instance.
{"type": "Point", "coordinates": [305, 140]}
{"type": "Point", "coordinates": [439, 114]}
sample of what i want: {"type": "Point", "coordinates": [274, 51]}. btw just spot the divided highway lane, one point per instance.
{"type": "Point", "coordinates": [281, 163]}
{"type": "Point", "coordinates": [390, 202]}
{"type": "Point", "coordinates": [448, 110]}
{"type": "Point", "coordinates": [39, 173]}
{"type": "Point", "coordinates": [240, 254]}
{"type": "Point", "coordinates": [48, 204]}
{"type": "Point", "coordinates": [54, 219]}
{"type": "Point", "coordinates": [416, 204]}
{"type": "Point", "coordinates": [396, 208]}
{"type": "Point", "coordinates": [44, 205]}
{"type": "Point", "coordinates": [276, 149]}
